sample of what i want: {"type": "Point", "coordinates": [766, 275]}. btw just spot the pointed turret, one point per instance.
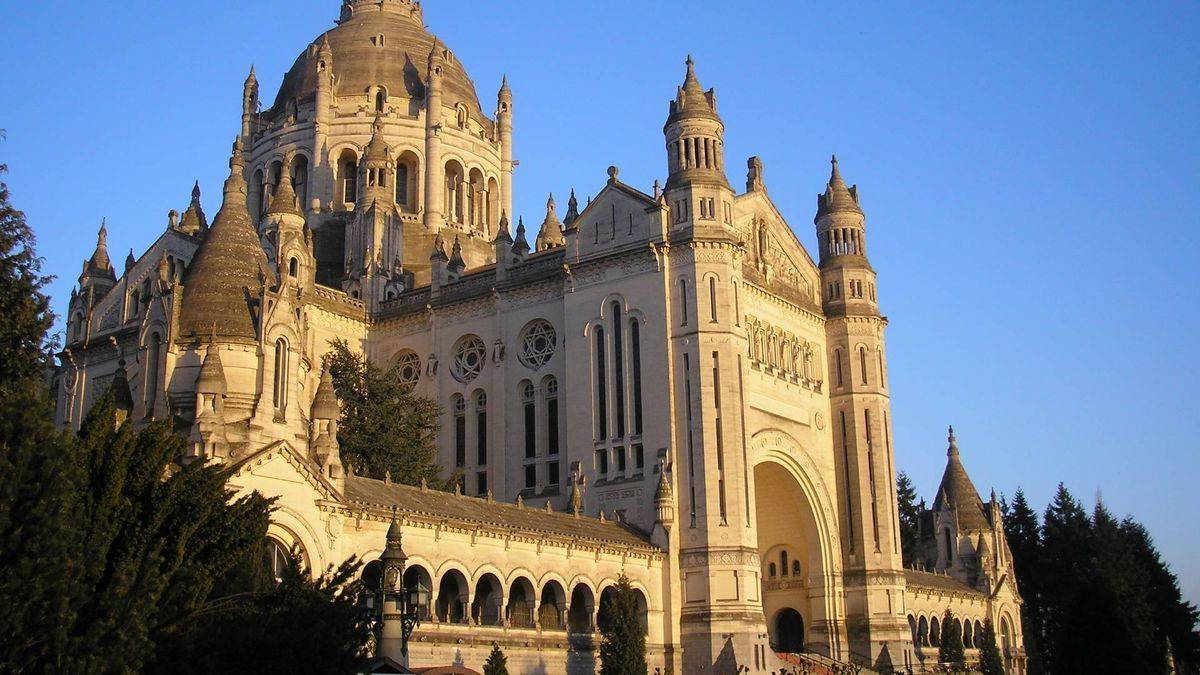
{"type": "Point", "coordinates": [99, 267]}
{"type": "Point", "coordinates": [325, 403]}
{"type": "Point", "coordinates": [283, 200]}
{"type": "Point", "coordinates": [375, 170]}
{"type": "Point", "coordinates": [456, 266]}
{"type": "Point", "coordinates": [697, 188]}
{"type": "Point", "coordinates": [211, 379]}
{"type": "Point", "coordinates": [503, 236]}
{"type": "Point", "coordinates": [504, 128]}
{"type": "Point", "coordinates": [551, 234]}
{"type": "Point", "coordinates": [439, 251]}
{"type": "Point", "coordinates": [521, 242]}
{"type": "Point", "coordinates": [325, 413]}
{"type": "Point", "coordinates": [959, 493]}
{"type": "Point", "coordinates": [221, 284]}
{"type": "Point", "coordinates": [664, 499]}
{"type": "Point", "coordinates": [691, 100]}
{"type": "Point", "coordinates": [194, 221]}
{"type": "Point", "coordinates": [249, 103]}
{"type": "Point", "coordinates": [130, 261]}
{"type": "Point", "coordinates": [837, 197]}
{"type": "Point", "coordinates": [572, 210]}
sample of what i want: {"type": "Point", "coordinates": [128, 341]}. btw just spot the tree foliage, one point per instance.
{"type": "Point", "coordinates": [385, 429]}
{"type": "Point", "coordinates": [1099, 597]}
{"type": "Point", "coordinates": [990, 662]}
{"type": "Point", "coordinates": [950, 650]}
{"type": "Point", "coordinates": [25, 315]}
{"type": "Point", "coordinates": [497, 662]}
{"type": "Point", "coordinates": [623, 639]}
{"type": "Point", "coordinates": [910, 518]}
{"type": "Point", "coordinates": [301, 624]}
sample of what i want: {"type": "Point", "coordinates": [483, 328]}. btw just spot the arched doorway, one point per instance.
{"type": "Point", "coordinates": [789, 632]}
{"type": "Point", "coordinates": [792, 554]}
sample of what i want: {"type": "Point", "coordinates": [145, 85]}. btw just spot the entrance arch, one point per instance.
{"type": "Point", "coordinates": [789, 632]}
{"type": "Point", "coordinates": [796, 525]}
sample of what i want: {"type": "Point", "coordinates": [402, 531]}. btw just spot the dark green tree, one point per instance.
{"type": "Point", "coordinates": [497, 662]}
{"type": "Point", "coordinates": [910, 518]}
{"type": "Point", "coordinates": [1064, 569]}
{"type": "Point", "coordinates": [950, 651]}
{"type": "Point", "coordinates": [385, 428]}
{"type": "Point", "coordinates": [623, 637]}
{"type": "Point", "coordinates": [25, 315]}
{"type": "Point", "coordinates": [990, 662]}
{"type": "Point", "coordinates": [1114, 611]}
{"type": "Point", "coordinates": [1024, 534]}
{"type": "Point", "coordinates": [301, 624]}
{"type": "Point", "coordinates": [1175, 619]}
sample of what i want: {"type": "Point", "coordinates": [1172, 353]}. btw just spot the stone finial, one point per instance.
{"type": "Point", "coordinates": [424, 485]}
{"type": "Point", "coordinates": [521, 243]}
{"type": "Point", "coordinates": [456, 265]}
{"type": "Point", "coordinates": [549, 507]}
{"type": "Point", "coordinates": [953, 449]}
{"type": "Point", "coordinates": [754, 175]}
{"type": "Point", "coordinates": [572, 209]}
{"type": "Point", "coordinates": [520, 502]}
{"type": "Point", "coordinates": [613, 173]}
{"type": "Point", "coordinates": [488, 498]}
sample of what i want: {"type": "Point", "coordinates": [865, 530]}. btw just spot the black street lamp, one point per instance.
{"type": "Point", "coordinates": [399, 606]}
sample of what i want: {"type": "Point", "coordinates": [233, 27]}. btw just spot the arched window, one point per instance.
{"type": "Point", "coordinates": [276, 559]}
{"type": "Point", "coordinates": [299, 176]}
{"type": "Point", "coordinates": [348, 176]}
{"type": "Point", "coordinates": [949, 540]}
{"type": "Point", "coordinates": [153, 347]}
{"type": "Point", "coordinates": [837, 359]}
{"type": "Point", "coordinates": [530, 416]}
{"type": "Point", "coordinates": [862, 359]}
{"type": "Point", "coordinates": [635, 345]}
{"type": "Point", "coordinates": [783, 563]}
{"type": "Point", "coordinates": [683, 302]}
{"type": "Point", "coordinates": [550, 386]}
{"type": "Point", "coordinates": [380, 99]}
{"type": "Point", "coordinates": [293, 268]}
{"type": "Point", "coordinates": [281, 375]}
{"type": "Point", "coordinates": [460, 431]}
{"type": "Point", "coordinates": [601, 387]}
{"type": "Point", "coordinates": [402, 184]}
{"type": "Point", "coordinates": [795, 568]}
{"type": "Point", "coordinates": [712, 299]}
{"type": "Point", "coordinates": [618, 367]}
{"type": "Point", "coordinates": [481, 429]}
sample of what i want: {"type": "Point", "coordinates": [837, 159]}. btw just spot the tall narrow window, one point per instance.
{"type": "Point", "coordinates": [482, 480]}
{"type": "Point", "coordinates": [635, 340]}
{"type": "Point", "coordinates": [402, 184]}
{"type": "Point", "coordinates": [530, 476]}
{"type": "Point", "coordinates": [862, 358]}
{"type": "Point", "coordinates": [716, 372]}
{"type": "Point", "coordinates": [601, 388]}
{"type": "Point", "coordinates": [783, 565]}
{"type": "Point", "coordinates": [380, 100]}
{"type": "Point", "coordinates": [683, 303]}
{"type": "Point", "coordinates": [281, 380]}
{"type": "Point", "coordinates": [949, 546]}
{"type": "Point", "coordinates": [737, 305]}
{"type": "Point", "coordinates": [152, 355]}
{"type": "Point", "coordinates": [712, 299]}
{"type": "Point", "coordinates": [618, 368]}
{"type": "Point", "coordinates": [551, 387]}
{"type": "Point", "coordinates": [460, 432]}
{"type": "Point", "coordinates": [691, 445]}
{"type": "Point", "coordinates": [530, 417]}
{"type": "Point", "coordinates": [481, 430]}
{"type": "Point", "coordinates": [837, 360]}
{"type": "Point", "coordinates": [882, 379]}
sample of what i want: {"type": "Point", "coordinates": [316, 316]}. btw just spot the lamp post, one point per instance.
{"type": "Point", "coordinates": [399, 606]}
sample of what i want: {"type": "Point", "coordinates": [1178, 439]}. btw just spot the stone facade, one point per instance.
{"type": "Point", "coordinates": [663, 385]}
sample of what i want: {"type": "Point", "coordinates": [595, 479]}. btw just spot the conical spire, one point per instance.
{"type": "Point", "coordinates": [572, 209]}
{"type": "Point", "coordinates": [439, 250]}
{"type": "Point", "coordinates": [325, 403]}
{"type": "Point", "coordinates": [377, 150]}
{"type": "Point", "coordinates": [959, 492]}
{"type": "Point", "coordinates": [503, 236]}
{"type": "Point", "coordinates": [521, 243]}
{"type": "Point", "coordinates": [691, 100]}
{"type": "Point", "coordinates": [211, 379]}
{"type": "Point", "coordinates": [837, 197]}
{"type": "Point", "coordinates": [456, 264]}
{"type": "Point", "coordinates": [283, 201]}
{"type": "Point", "coordinates": [224, 275]}
{"type": "Point", "coordinates": [99, 265]}
{"type": "Point", "coordinates": [130, 261]}
{"type": "Point", "coordinates": [194, 220]}
{"type": "Point", "coordinates": [551, 234]}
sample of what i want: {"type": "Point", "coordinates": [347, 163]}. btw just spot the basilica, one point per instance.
{"type": "Point", "coordinates": [662, 384]}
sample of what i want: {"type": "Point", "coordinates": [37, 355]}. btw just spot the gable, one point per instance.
{"type": "Point", "coordinates": [281, 470]}
{"type": "Point", "coordinates": [617, 218]}
{"type": "Point", "coordinates": [775, 260]}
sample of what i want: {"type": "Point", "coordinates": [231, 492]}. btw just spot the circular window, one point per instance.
{"type": "Point", "coordinates": [469, 355]}
{"type": "Point", "coordinates": [408, 368]}
{"type": "Point", "coordinates": [538, 341]}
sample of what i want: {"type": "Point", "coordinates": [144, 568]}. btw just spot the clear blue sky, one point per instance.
{"type": "Point", "coordinates": [1029, 170]}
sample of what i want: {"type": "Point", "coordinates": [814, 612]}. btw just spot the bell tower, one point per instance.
{"type": "Point", "coordinates": [862, 436]}
{"type": "Point", "coordinates": [697, 191]}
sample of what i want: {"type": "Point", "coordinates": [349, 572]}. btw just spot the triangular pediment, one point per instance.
{"type": "Point", "coordinates": [618, 216]}
{"type": "Point", "coordinates": [776, 259]}
{"type": "Point", "coordinates": [280, 464]}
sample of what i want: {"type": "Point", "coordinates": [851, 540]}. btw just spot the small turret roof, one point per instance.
{"type": "Point", "coordinates": [325, 403]}
{"type": "Point", "coordinates": [211, 379]}
{"type": "Point", "coordinates": [551, 234]}
{"type": "Point", "coordinates": [194, 220]}
{"type": "Point", "coordinates": [100, 265]}
{"type": "Point", "coordinates": [691, 100]}
{"type": "Point", "coordinates": [284, 198]}
{"type": "Point", "coordinates": [226, 270]}
{"type": "Point", "coordinates": [837, 197]}
{"type": "Point", "coordinates": [959, 492]}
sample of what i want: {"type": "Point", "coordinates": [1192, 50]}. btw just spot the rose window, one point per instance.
{"type": "Point", "coordinates": [538, 341]}
{"type": "Point", "coordinates": [469, 356]}
{"type": "Point", "coordinates": [408, 368]}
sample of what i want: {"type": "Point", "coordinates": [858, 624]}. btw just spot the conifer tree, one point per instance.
{"type": "Point", "coordinates": [25, 315]}
{"type": "Point", "coordinates": [623, 638]}
{"type": "Point", "coordinates": [950, 651]}
{"type": "Point", "coordinates": [990, 662]}
{"type": "Point", "coordinates": [385, 429]}
{"type": "Point", "coordinates": [910, 518]}
{"type": "Point", "coordinates": [1024, 533]}
{"type": "Point", "coordinates": [497, 662]}
{"type": "Point", "coordinates": [1175, 620]}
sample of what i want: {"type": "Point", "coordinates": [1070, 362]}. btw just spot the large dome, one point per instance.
{"type": "Point", "coordinates": [361, 59]}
